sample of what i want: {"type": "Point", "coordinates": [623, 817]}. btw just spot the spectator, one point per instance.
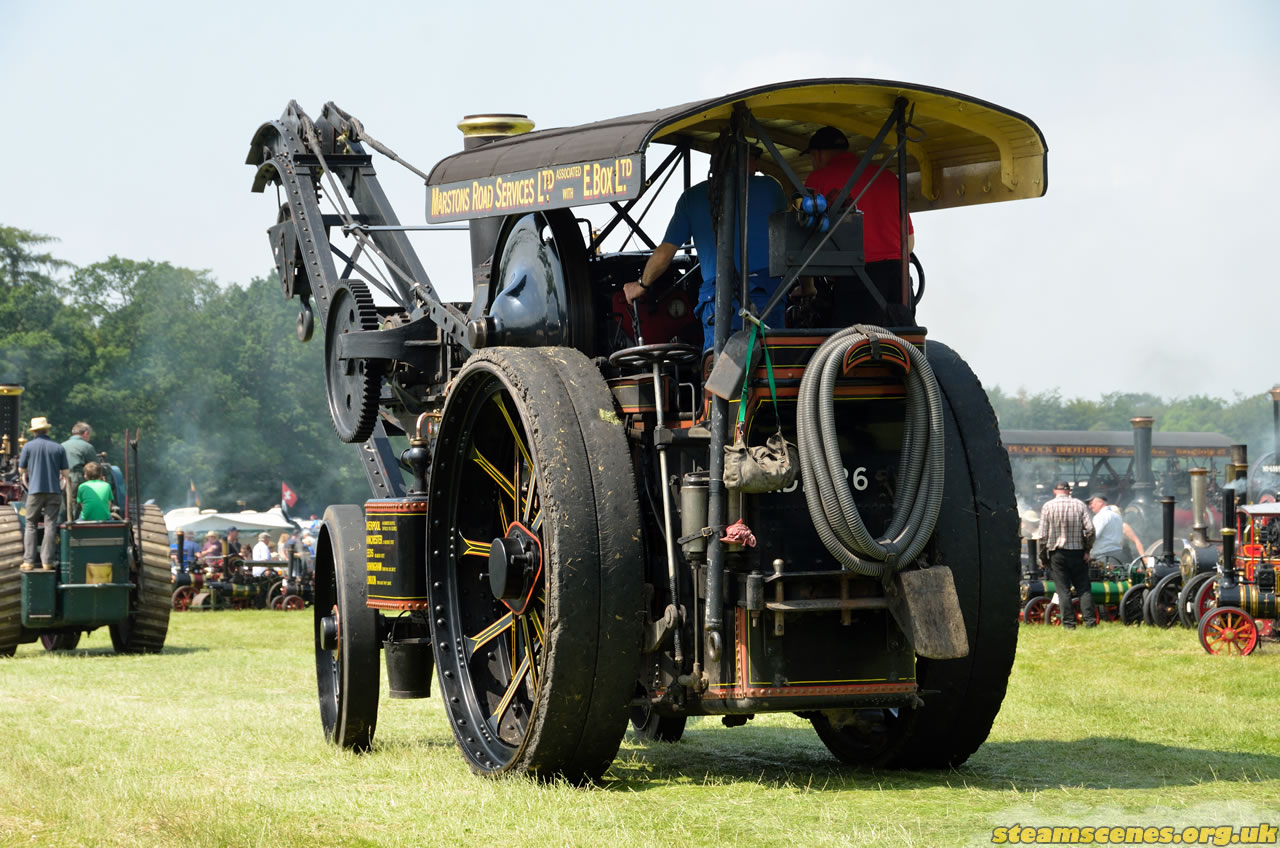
{"type": "Point", "coordinates": [1066, 535]}
{"type": "Point", "coordinates": [212, 549]}
{"type": "Point", "coordinates": [283, 546]}
{"type": "Point", "coordinates": [42, 465]}
{"type": "Point", "coordinates": [233, 541]}
{"type": "Point", "coordinates": [262, 550]}
{"type": "Point", "coordinates": [1108, 529]}
{"type": "Point", "coordinates": [94, 495]}
{"type": "Point", "coordinates": [189, 552]}
{"type": "Point", "coordinates": [79, 452]}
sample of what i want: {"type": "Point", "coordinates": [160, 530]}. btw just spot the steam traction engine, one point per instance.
{"type": "Point", "coordinates": [567, 553]}
{"type": "Point", "coordinates": [113, 573]}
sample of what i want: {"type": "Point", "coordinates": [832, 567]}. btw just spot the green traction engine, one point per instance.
{"type": "Point", "coordinates": [110, 573]}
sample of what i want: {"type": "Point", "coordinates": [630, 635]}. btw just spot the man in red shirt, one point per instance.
{"type": "Point", "coordinates": [877, 200]}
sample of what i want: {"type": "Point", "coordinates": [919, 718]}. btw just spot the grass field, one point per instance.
{"type": "Point", "coordinates": [217, 742]}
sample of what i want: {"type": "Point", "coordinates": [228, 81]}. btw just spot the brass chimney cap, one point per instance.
{"type": "Point", "coordinates": [1142, 421]}
{"type": "Point", "coordinates": [1275, 393]}
{"type": "Point", "coordinates": [495, 124]}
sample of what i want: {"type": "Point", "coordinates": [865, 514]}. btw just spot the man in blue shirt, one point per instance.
{"type": "Point", "coordinates": [692, 220]}
{"type": "Point", "coordinates": [43, 467]}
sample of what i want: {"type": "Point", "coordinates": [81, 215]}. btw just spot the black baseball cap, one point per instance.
{"type": "Point", "coordinates": [1099, 496]}
{"type": "Point", "coordinates": [827, 138]}
{"type": "Point", "coordinates": [1064, 486]}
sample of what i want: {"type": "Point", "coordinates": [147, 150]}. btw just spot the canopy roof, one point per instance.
{"type": "Point", "coordinates": [194, 520]}
{"type": "Point", "coordinates": [961, 150]}
{"type": "Point", "coordinates": [1261, 510]}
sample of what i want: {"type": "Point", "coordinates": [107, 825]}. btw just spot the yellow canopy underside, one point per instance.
{"type": "Point", "coordinates": [960, 152]}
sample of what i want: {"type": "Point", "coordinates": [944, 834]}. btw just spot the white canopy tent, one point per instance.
{"type": "Point", "coordinates": [192, 520]}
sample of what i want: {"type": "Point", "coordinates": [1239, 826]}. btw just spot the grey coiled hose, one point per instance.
{"type": "Point", "coordinates": [918, 492]}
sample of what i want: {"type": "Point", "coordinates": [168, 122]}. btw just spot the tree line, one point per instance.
{"type": "Point", "coordinates": [226, 399]}
{"type": "Point", "coordinates": [229, 402]}
{"type": "Point", "coordinates": [1245, 419]}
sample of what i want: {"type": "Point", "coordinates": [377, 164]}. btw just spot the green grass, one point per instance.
{"type": "Point", "coordinates": [217, 742]}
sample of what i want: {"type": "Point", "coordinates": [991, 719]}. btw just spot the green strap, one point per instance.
{"type": "Point", "coordinates": [746, 380]}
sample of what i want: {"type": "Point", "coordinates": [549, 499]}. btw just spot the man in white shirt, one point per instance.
{"type": "Point", "coordinates": [1108, 528]}
{"type": "Point", "coordinates": [261, 553]}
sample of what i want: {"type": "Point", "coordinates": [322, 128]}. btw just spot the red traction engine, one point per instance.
{"type": "Point", "coordinates": [1246, 609]}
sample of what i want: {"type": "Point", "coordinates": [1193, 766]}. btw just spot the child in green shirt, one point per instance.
{"type": "Point", "coordinates": [94, 495]}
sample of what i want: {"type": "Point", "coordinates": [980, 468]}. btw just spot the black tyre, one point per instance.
{"type": "Point", "coordinates": [1162, 601]}
{"type": "Point", "coordinates": [275, 590]}
{"type": "Point", "coordinates": [535, 565]}
{"type": "Point", "coordinates": [653, 727]}
{"type": "Point", "coordinates": [145, 629]}
{"type": "Point", "coordinates": [346, 632]}
{"type": "Point", "coordinates": [1132, 603]}
{"type": "Point", "coordinates": [977, 537]}
{"type": "Point", "coordinates": [1188, 614]}
{"type": "Point", "coordinates": [10, 580]}
{"type": "Point", "coordinates": [60, 641]}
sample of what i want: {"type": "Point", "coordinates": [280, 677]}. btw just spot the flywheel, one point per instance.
{"type": "Point", "coordinates": [353, 385]}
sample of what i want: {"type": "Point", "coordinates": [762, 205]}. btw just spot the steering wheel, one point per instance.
{"type": "Point", "coordinates": [918, 294]}
{"type": "Point", "coordinates": [649, 355]}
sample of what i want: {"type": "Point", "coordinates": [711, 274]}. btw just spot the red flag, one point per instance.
{"type": "Point", "coordinates": [288, 496]}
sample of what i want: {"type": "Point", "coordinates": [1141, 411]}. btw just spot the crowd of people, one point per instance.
{"type": "Point", "coordinates": [260, 555]}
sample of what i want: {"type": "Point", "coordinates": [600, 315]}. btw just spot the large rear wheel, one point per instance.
{"type": "Point", "coordinates": [346, 632]}
{"type": "Point", "coordinates": [145, 629]}
{"type": "Point", "coordinates": [535, 565]}
{"type": "Point", "coordinates": [10, 580]}
{"type": "Point", "coordinates": [1162, 601]}
{"type": "Point", "coordinates": [1188, 614]}
{"type": "Point", "coordinates": [977, 537]}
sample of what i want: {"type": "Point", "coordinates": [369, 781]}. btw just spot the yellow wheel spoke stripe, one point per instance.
{"type": "Point", "coordinates": [502, 407]}
{"type": "Point", "coordinates": [511, 690]}
{"type": "Point", "coordinates": [489, 468]}
{"type": "Point", "coordinates": [471, 548]}
{"type": "Point", "coordinates": [487, 635]}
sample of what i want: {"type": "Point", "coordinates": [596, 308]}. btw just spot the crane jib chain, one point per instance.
{"type": "Point", "coordinates": [920, 465]}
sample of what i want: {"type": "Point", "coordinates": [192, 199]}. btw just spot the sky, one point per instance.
{"type": "Point", "coordinates": [1145, 268]}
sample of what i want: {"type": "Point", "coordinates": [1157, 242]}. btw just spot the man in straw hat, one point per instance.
{"type": "Point", "coordinates": [43, 466]}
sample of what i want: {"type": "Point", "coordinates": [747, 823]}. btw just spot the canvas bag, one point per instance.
{"type": "Point", "coordinates": [756, 470]}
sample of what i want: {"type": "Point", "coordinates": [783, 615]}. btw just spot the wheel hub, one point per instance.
{"type": "Point", "coordinates": [329, 631]}
{"type": "Point", "coordinates": [514, 563]}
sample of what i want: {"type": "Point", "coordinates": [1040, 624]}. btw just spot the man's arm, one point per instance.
{"type": "Point", "coordinates": [659, 262]}
{"type": "Point", "coordinates": [1132, 536]}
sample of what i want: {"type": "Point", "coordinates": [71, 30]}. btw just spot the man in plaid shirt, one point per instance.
{"type": "Point", "coordinates": [1066, 535]}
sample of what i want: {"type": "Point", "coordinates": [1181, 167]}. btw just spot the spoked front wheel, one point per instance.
{"type": "Point", "coordinates": [346, 632]}
{"type": "Point", "coordinates": [1229, 631]}
{"type": "Point", "coordinates": [1033, 612]}
{"type": "Point", "coordinates": [535, 565]}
